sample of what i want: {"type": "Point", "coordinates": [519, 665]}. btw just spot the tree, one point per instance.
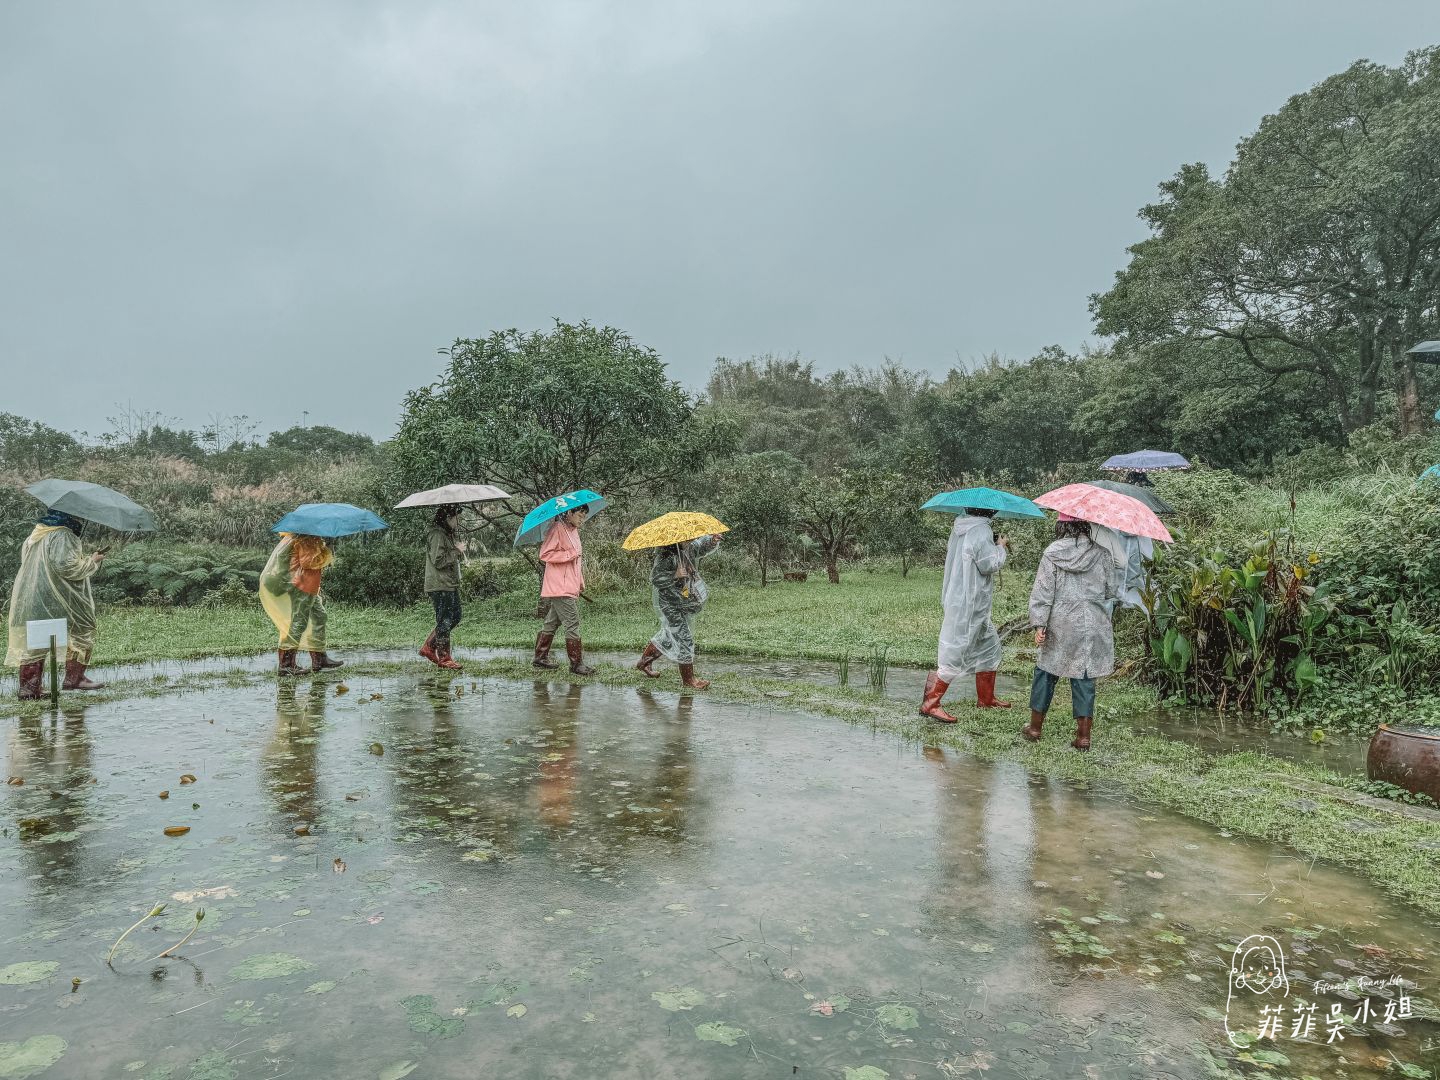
{"type": "Point", "coordinates": [31, 446]}
{"type": "Point", "coordinates": [321, 440]}
{"type": "Point", "coordinates": [544, 413]}
{"type": "Point", "coordinates": [1319, 251]}
{"type": "Point", "coordinates": [757, 496]}
{"type": "Point", "coordinates": [832, 511]}
{"type": "Point", "coordinates": [898, 526]}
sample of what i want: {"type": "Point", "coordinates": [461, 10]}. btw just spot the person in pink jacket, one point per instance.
{"type": "Point", "coordinates": [560, 591]}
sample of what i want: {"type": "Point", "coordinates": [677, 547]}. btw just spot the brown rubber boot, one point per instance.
{"type": "Point", "coordinates": [1031, 730]}
{"type": "Point", "coordinates": [648, 657]}
{"type": "Point", "coordinates": [985, 691]}
{"type": "Point", "coordinates": [287, 662]}
{"type": "Point", "coordinates": [930, 704]}
{"type": "Point", "coordinates": [428, 650]}
{"type": "Point", "coordinates": [542, 649]}
{"type": "Point", "coordinates": [32, 680]}
{"type": "Point", "coordinates": [75, 677]}
{"type": "Point", "coordinates": [575, 650]}
{"type": "Point", "coordinates": [688, 679]}
{"type": "Point", "coordinates": [1082, 733]}
{"type": "Point", "coordinates": [445, 660]}
{"type": "Point", "coordinates": [319, 661]}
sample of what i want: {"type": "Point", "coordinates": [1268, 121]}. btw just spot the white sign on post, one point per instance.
{"type": "Point", "coordinates": [38, 633]}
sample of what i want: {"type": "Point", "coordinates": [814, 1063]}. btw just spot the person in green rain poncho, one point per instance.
{"type": "Point", "coordinates": [53, 583]}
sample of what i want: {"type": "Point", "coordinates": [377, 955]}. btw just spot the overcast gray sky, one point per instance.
{"type": "Point", "coordinates": [265, 208]}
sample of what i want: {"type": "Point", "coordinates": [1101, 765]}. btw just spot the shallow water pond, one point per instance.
{"type": "Point", "coordinates": [438, 877]}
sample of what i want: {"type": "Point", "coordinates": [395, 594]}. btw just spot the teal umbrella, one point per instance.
{"type": "Point", "coordinates": [532, 529]}
{"type": "Point", "coordinates": [94, 502]}
{"type": "Point", "coordinates": [1003, 503]}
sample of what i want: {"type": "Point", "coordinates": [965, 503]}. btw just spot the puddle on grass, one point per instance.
{"type": "Point", "coordinates": [453, 878]}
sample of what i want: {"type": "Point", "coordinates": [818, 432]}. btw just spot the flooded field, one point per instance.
{"type": "Point", "coordinates": [441, 877]}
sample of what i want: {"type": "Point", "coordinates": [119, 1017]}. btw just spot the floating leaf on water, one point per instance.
{"type": "Point", "coordinates": [338, 866]}
{"type": "Point", "coordinates": [176, 830]}
{"type": "Point", "coordinates": [866, 1072]}
{"type": "Point", "coordinates": [165, 794]}
{"type": "Point", "coordinates": [321, 987]}
{"type": "Point", "coordinates": [22, 1060]}
{"type": "Point", "coordinates": [399, 1070]}
{"type": "Point", "coordinates": [376, 919]}
{"type": "Point", "coordinates": [188, 778]}
{"type": "Point", "coordinates": [589, 1018]}
{"type": "Point", "coordinates": [899, 1017]}
{"type": "Point", "coordinates": [302, 830]}
{"type": "Point", "coordinates": [300, 913]}
{"type": "Point", "coordinates": [215, 1065]}
{"type": "Point", "coordinates": [421, 1016]}
{"type": "Point", "coordinates": [31, 971]}
{"type": "Point", "coordinates": [14, 781]}
{"type": "Point", "coordinates": [678, 998]}
{"type": "Point", "coordinates": [516, 1011]}
{"type": "Point", "coordinates": [721, 1033]}
{"type": "Point", "coordinates": [268, 966]}
{"type": "Point", "coordinates": [341, 689]}
{"type": "Point", "coordinates": [1156, 874]}
{"type": "Point", "coordinates": [377, 749]}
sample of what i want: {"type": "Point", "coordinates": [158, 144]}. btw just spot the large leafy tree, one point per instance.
{"type": "Point", "coordinates": [1318, 252]}
{"type": "Point", "coordinates": [545, 412]}
{"type": "Point", "coordinates": [833, 511]}
{"type": "Point", "coordinates": [757, 500]}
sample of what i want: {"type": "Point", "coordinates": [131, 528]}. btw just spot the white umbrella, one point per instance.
{"type": "Point", "coordinates": [459, 494]}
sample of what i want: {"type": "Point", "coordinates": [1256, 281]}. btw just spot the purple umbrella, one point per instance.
{"type": "Point", "coordinates": [1146, 461]}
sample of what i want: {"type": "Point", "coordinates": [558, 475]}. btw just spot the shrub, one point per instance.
{"type": "Point", "coordinates": [485, 579]}
{"type": "Point", "coordinates": [153, 573]}
{"type": "Point", "coordinates": [377, 574]}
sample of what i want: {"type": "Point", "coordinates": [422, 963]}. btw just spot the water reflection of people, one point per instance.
{"type": "Point", "coordinates": [558, 782]}
{"type": "Point", "coordinates": [53, 757]}
{"type": "Point", "coordinates": [290, 761]}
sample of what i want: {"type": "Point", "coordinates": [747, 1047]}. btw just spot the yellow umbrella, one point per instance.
{"type": "Point", "coordinates": [673, 528]}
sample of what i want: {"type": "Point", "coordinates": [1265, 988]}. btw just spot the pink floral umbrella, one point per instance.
{"type": "Point", "coordinates": [1108, 508]}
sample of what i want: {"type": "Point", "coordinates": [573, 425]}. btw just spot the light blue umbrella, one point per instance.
{"type": "Point", "coordinates": [1146, 461]}
{"type": "Point", "coordinates": [329, 519]}
{"type": "Point", "coordinates": [1432, 474]}
{"type": "Point", "coordinates": [532, 529]}
{"type": "Point", "coordinates": [1003, 503]}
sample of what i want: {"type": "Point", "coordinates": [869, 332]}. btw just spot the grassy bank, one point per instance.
{"type": "Point", "coordinates": [812, 619]}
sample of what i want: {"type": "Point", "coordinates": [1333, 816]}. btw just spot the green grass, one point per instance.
{"type": "Point", "coordinates": [813, 620]}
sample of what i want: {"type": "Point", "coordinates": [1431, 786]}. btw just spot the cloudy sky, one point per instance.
{"type": "Point", "coordinates": [277, 208]}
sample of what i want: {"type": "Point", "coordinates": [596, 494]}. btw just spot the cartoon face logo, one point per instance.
{"type": "Point", "coordinates": [1257, 965]}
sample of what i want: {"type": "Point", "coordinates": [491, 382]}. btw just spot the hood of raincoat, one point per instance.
{"type": "Point", "coordinates": [1076, 555]}
{"type": "Point", "coordinates": [964, 523]}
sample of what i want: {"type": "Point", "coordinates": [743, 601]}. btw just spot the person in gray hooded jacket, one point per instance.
{"type": "Point", "coordinates": [1070, 604]}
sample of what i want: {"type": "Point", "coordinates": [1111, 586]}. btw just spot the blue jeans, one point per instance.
{"type": "Point", "coordinates": [1042, 692]}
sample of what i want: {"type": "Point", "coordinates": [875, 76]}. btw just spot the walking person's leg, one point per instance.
{"type": "Point", "coordinates": [546, 635]}
{"type": "Point", "coordinates": [569, 608]}
{"type": "Point", "coordinates": [1042, 693]}
{"type": "Point", "coordinates": [1082, 699]}
{"type": "Point", "coordinates": [447, 617]}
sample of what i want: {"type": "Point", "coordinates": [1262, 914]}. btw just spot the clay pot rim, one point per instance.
{"type": "Point", "coordinates": [1407, 734]}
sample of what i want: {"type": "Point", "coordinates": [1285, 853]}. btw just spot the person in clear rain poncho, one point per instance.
{"type": "Point", "coordinates": [969, 642]}
{"type": "Point", "coordinates": [290, 595]}
{"type": "Point", "coordinates": [53, 583]}
{"type": "Point", "coordinates": [679, 594]}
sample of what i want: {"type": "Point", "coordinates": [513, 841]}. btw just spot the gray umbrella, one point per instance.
{"type": "Point", "coordinates": [92, 502]}
{"type": "Point", "coordinates": [1135, 491]}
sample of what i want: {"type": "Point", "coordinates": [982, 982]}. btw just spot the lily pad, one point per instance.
{"type": "Point", "coordinates": [677, 999]}
{"type": "Point", "coordinates": [32, 971]}
{"type": "Point", "coordinates": [421, 1016]}
{"type": "Point", "coordinates": [721, 1033]}
{"type": "Point", "coordinates": [899, 1017]}
{"type": "Point", "coordinates": [866, 1072]}
{"type": "Point", "coordinates": [516, 1011]}
{"type": "Point", "coordinates": [268, 966]}
{"type": "Point", "coordinates": [21, 1060]}
{"type": "Point", "coordinates": [399, 1070]}
{"type": "Point", "coordinates": [321, 987]}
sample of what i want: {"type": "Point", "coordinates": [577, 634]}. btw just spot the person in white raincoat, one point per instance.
{"type": "Point", "coordinates": [53, 583]}
{"type": "Point", "coordinates": [969, 642]}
